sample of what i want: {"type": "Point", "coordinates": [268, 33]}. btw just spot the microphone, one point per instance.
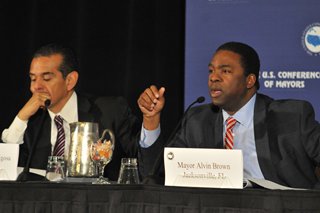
{"type": "Point", "coordinates": [26, 175]}
{"type": "Point", "coordinates": [47, 103]}
{"type": "Point", "coordinates": [152, 178]}
{"type": "Point", "coordinates": [199, 100]}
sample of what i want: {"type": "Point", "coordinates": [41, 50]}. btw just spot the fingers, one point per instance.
{"type": "Point", "coordinates": [161, 92]}
{"type": "Point", "coordinates": [150, 97]}
{"type": "Point", "coordinates": [42, 100]}
{"type": "Point", "coordinates": [153, 90]}
{"type": "Point", "coordinates": [34, 103]}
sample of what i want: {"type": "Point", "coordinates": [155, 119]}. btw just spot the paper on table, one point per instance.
{"type": "Point", "coordinates": [36, 171]}
{"type": "Point", "coordinates": [266, 184]}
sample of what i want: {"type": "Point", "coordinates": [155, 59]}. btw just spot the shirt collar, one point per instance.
{"type": "Point", "coordinates": [69, 112]}
{"type": "Point", "coordinates": [245, 114]}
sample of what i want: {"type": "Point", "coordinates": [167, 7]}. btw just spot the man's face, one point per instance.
{"type": "Point", "coordinates": [46, 78]}
{"type": "Point", "coordinates": [228, 86]}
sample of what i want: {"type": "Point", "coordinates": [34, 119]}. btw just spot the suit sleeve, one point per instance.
{"type": "Point", "coordinates": [310, 130]}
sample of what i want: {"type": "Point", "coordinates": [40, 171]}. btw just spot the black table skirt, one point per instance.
{"type": "Point", "coordinates": [49, 197]}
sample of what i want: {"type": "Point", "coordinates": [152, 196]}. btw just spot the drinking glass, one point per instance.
{"type": "Point", "coordinates": [55, 168]}
{"type": "Point", "coordinates": [101, 154]}
{"type": "Point", "coordinates": [128, 171]}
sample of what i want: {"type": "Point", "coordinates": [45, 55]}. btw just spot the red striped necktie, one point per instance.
{"type": "Point", "coordinates": [60, 143]}
{"type": "Point", "coordinates": [228, 140]}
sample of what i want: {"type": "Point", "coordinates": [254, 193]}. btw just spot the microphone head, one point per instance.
{"type": "Point", "coordinates": [47, 103]}
{"type": "Point", "coordinates": [201, 99]}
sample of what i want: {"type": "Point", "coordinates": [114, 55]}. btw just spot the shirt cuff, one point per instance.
{"type": "Point", "coordinates": [15, 132]}
{"type": "Point", "coordinates": [19, 125]}
{"type": "Point", "coordinates": [148, 137]}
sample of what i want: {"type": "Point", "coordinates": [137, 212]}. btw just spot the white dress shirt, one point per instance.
{"type": "Point", "coordinates": [244, 138]}
{"type": "Point", "coordinates": [69, 113]}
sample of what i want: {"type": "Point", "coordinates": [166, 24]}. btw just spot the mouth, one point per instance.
{"type": "Point", "coordinates": [215, 93]}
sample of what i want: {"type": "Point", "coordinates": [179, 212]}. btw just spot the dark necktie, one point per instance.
{"type": "Point", "coordinates": [59, 146]}
{"type": "Point", "coordinates": [228, 140]}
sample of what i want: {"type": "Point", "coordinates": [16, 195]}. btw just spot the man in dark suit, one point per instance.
{"type": "Point", "coordinates": [54, 75]}
{"type": "Point", "coordinates": [280, 139]}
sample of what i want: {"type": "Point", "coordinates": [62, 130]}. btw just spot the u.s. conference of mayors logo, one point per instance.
{"type": "Point", "coordinates": [311, 39]}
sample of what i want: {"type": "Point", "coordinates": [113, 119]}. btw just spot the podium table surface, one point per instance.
{"type": "Point", "coordinates": [50, 197]}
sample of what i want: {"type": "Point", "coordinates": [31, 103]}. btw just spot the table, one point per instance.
{"type": "Point", "coordinates": [50, 197]}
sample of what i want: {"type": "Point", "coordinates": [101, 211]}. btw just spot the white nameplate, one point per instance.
{"type": "Point", "coordinates": [195, 167]}
{"type": "Point", "coordinates": [9, 154]}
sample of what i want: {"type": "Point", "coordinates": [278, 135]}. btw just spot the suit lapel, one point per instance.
{"type": "Point", "coordinates": [218, 128]}
{"type": "Point", "coordinates": [38, 133]}
{"type": "Point", "coordinates": [262, 139]}
{"type": "Point", "coordinates": [37, 125]}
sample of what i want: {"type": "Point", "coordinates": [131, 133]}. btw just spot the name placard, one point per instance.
{"type": "Point", "coordinates": [9, 154]}
{"type": "Point", "coordinates": [195, 167]}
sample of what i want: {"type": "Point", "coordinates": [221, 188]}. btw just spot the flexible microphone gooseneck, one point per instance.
{"type": "Point", "coordinates": [199, 100]}
{"type": "Point", "coordinates": [26, 175]}
{"type": "Point", "coordinates": [153, 177]}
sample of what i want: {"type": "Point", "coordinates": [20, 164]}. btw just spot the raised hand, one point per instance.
{"type": "Point", "coordinates": [151, 103]}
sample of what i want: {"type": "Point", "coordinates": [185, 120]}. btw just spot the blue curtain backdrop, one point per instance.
{"type": "Point", "coordinates": [286, 34]}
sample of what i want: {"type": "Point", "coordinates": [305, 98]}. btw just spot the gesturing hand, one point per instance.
{"type": "Point", "coordinates": [151, 102]}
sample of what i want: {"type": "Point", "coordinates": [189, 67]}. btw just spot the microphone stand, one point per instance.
{"type": "Point", "coordinates": [154, 175]}
{"type": "Point", "coordinates": [199, 100]}
{"type": "Point", "coordinates": [26, 175]}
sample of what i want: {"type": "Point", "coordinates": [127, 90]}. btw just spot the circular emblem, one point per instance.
{"type": "Point", "coordinates": [170, 155]}
{"type": "Point", "coordinates": [311, 39]}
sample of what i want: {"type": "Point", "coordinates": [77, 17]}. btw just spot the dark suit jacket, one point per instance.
{"type": "Point", "coordinates": [109, 112]}
{"type": "Point", "coordinates": [287, 138]}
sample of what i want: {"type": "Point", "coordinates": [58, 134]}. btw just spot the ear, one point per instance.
{"type": "Point", "coordinates": [251, 80]}
{"type": "Point", "coordinates": [71, 80]}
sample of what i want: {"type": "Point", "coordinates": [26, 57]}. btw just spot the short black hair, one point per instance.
{"type": "Point", "coordinates": [69, 61]}
{"type": "Point", "coordinates": [250, 61]}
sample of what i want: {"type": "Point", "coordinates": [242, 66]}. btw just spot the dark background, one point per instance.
{"type": "Point", "coordinates": [123, 47]}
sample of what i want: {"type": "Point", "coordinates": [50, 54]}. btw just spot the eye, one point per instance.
{"type": "Point", "coordinates": [47, 77]}
{"type": "Point", "coordinates": [226, 71]}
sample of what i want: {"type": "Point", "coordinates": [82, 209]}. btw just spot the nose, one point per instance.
{"type": "Point", "coordinates": [37, 85]}
{"type": "Point", "coordinates": [214, 76]}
